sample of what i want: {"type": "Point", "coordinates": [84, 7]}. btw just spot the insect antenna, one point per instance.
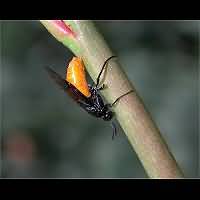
{"type": "Point", "coordinates": [110, 105]}
{"type": "Point", "coordinates": [104, 65]}
{"type": "Point", "coordinates": [120, 98]}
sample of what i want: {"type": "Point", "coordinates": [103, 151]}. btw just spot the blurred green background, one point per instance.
{"type": "Point", "coordinates": [45, 134]}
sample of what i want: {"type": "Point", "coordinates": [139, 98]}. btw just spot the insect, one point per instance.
{"type": "Point", "coordinates": [87, 96]}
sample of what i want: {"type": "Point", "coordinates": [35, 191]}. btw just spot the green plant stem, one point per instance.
{"type": "Point", "coordinates": [130, 111]}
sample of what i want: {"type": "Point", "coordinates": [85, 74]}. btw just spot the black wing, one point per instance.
{"type": "Point", "coordinates": [62, 83]}
{"type": "Point", "coordinates": [66, 86]}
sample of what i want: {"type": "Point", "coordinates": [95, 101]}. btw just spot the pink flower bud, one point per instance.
{"type": "Point", "coordinates": [58, 28]}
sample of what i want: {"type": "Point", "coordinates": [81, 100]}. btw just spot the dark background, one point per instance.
{"type": "Point", "coordinates": [45, 134]}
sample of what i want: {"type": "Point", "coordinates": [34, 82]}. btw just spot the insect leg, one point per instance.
{"type": "Point", "coordinates": [114, 130]}
{"type": "Point", "coordinates": [104, 65]}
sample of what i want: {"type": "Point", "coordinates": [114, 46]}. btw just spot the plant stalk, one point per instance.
{"type": "Point", "coordinates": [130, 111]}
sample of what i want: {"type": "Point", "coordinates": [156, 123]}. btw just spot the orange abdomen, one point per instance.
{"type": "Point", "coordinates": [76, 76]}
